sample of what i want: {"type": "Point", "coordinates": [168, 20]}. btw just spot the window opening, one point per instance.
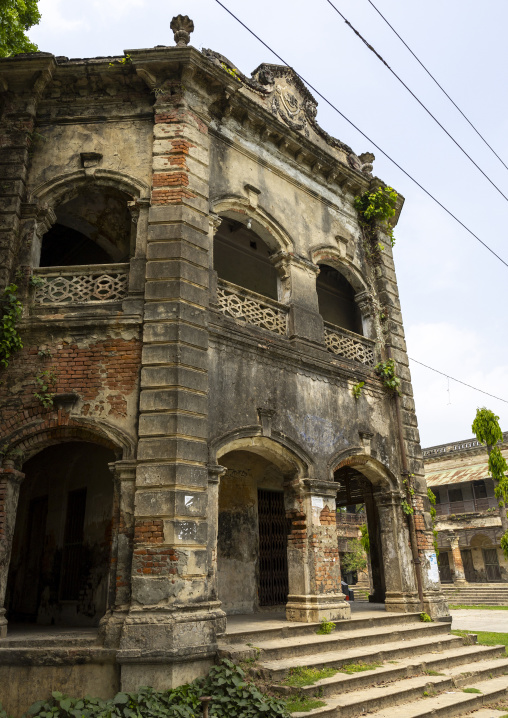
{"type": "Point", "coordinates": [336, 299]}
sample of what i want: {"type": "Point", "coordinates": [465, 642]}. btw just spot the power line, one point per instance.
{"type": "Point", "coordinates": [457, 380]}
{"type": "Point", "coordinates": [438, 84]}
{"type": "Point", "coordinates": [379, 57]}
{"type": "Point", "coordinates": [350, 122]}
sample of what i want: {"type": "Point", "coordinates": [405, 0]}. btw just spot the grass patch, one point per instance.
{"type": "Point", "coordinates": [297, 704]}
{"type": "Point", "coordinates": [358, 667]}
{"type": "Point", "coordinates": [434, 673]}
{"type": "Point", "coordinates": [487, 638]}
{"type": "Point", "coordinates": [470, 690]}
{"type": "Point", "coordinates": [458, 606]}
{"type": "Point", "coordinates": [325, 628]}
{"type": "Point", "coordinates": [301, 676]}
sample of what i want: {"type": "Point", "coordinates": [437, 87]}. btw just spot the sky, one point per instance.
{"type": "Point", "coordinates": [453, 291]}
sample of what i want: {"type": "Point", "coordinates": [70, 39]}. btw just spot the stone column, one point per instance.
{"type": "Point", "coordinates": [313, 554]}
{"type": "Point", "coordinates": [459, 576]}
{"type": "Point", "coordinates": [10, 482]}
{"type": "Point", "coordinates": [298, 282]}
{"type": "Point", "coordinates": [215, 472]}
{"type": "Point", "coordinates": [169, 635]}
{"type": "Point", "coordinates": [401, 594]}
{"type": "Point", "coordinates": [124, 477]}
{"type": "Point", "coordinates": [20, 95]}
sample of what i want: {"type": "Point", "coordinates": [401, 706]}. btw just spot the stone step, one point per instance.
{"type": "Point", "coordinates": [486, 660]}
{"type": "Point", "coordinates": [309, 629]}
{"type": "Point", "coordinates": [49, 642]}
{"type": "Point", "coordinates": [277, 670]}
{"type": "Point", "coordinates": [298, 646]}
{"type": "Point", "coordinates": [446, 705]}
{"type": "Point", "coordinates": [410, 690]}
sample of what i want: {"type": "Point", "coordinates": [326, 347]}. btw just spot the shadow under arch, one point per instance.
{"type": "Point", "coordinates": [371, 468]}
{"type": "Point", "coordinates": [280, 451]}
{"type": "Point", "coordinates": [333, 257]}
{"type": "Point", "coordinates": [32, 439]}
{"type": "Point", "coordinates": [265, 226]}
{"type": "Point", "coordinates": [65, 187]}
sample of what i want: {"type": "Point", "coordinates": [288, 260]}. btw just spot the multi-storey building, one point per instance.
{"type": "Point", "coordinates": [198, 302]}
{"type": "Point", "coordinates": [467, 520]}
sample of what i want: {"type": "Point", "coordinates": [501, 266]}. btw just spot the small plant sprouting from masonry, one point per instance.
{"type": "Point", "coordinates": [10, 311]}
{"type": "Point", "coordinates": [46, 382]}
{"type": "Point", "coordinates": [375, 209]}
{"type": "Point", "coordinates": [387, 371]}
{"type": "Point", "coordinates": [356, 390]}
{"type": "Point", "coordinates": [326, 627]}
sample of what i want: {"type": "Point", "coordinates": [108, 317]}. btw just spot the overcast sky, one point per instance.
{"type": "Point", "coordinates": [453, 292]}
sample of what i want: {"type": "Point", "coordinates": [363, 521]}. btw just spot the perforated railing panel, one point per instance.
{"type": "Point", "coordinates": [252, 308]}
{"type": "Point", "coordinates": [349, 345]}
{"type": "Point", "coordinates": [81, 285]}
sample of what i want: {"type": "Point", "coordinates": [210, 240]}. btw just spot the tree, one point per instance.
{"type": "Point", "coordinates": [16, 17]}
{"type": "Point", "coordinates": [354, 559]}
{"type": "Point", "coordinates": [487, 430]}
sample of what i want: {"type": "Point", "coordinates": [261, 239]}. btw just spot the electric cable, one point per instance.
{"type": "Point", "coordinates": [438, 84]}
{"type": "Point", "coordinates": [457, 380]}
{"type": "Point", "coordinates": [363, 134]}
{"type": "Point", "coordinates": [372, 49]}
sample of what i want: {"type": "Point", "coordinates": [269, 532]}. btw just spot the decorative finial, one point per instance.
{"type": "Point", "coordinates": [182, 27]}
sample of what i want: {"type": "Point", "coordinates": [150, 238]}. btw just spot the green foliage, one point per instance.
{"type": "Point", "coordinates": [11, 310]}
{"type": "Point", "coordinates": [377, 208]}
{"type": "Point", "coordinates": [232, 695]}
{"type": "Point", "coordinates": [302, 676]}
{"type": "Point", "coordinates": [325, 628]}
{"type": "Point", "coordinates": [16, 17]}
{"type": "Point", "coordinates": [350, 668]}
{"type": "Point", "coordinates": [425, 618]}
{"type": "Point", "coordinates": [354, 559]}
{"type": "Point", "coordinates": [124, 61]}
{"type": "Point", "coordinates": [303, 704]}
{"type": "Point", "coordinates": [486, 427]}
{"type": "Point", "coordinates": [485, 638]}
{"type": "Point", "coordinates": [3, 712]}
{"type": "Point", "coordinates": [365, 539]}
{"type": "Point", "coordinates": [387, 371]}
{"type": "Point", "coordinates": [406, 508]}
{"type": "Point", "coordinates": [433, 513]}
{"type": "Point", "coordinates": [504, 544]}
{"type": "Point", "coordinates": [36, 281]}
{"type": "Point", "coordinates": [46, 381]}
{"type": "Point", "coordinates": [356, 390]}
{"type": "Point", "coordinates": [497, 469]}
{"type": "Point", "coordinates": [470, 690]}
{"type": "Point", "coordinates": [231, 71]}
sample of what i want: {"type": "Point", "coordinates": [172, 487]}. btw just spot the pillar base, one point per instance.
{"type": "Point", "coordinates": [435, 605]}
{"type": "Point", "coordinates": [460, 582]}
{"type": "Point", "coordinates": [110, 627]}
{"type": "Point", "coordinates": [402, 602]}
{"type": "Point", "coordinates": [314, 609]}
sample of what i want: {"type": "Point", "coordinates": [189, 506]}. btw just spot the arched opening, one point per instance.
{"type": "Point", "coordinates": [252, 565]}
{"type": "Point", "coordinates": [336, 300]}
{"type": "Point", "coordinates": [94, 227]}
{"type": "Point", "coordinates": [356, 506]}
{"type": "Point", "coordinates": [61, 553]}
{"type": "Point", "coordinates": [241, 257]}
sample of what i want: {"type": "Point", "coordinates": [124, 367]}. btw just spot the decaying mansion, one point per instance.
{"type": "Point", "coordinates": [179, 427]}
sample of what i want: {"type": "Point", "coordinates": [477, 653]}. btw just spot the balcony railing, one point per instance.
{"type": "Point", "coordinates": [351, 519]}
{"type": "Point", "coordinates": [246, 306]}
{"type": "Point", "coordinates": [467, 506]}
{"type": "Point", "coordinates": [84, 284]}
{"type": "Point", "coordinates": [349, 345]}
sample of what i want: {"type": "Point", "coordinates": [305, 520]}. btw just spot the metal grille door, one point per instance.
{"type": "Point", "coordinates": [491, 564]}
{"type": "Point", "coordinates": [273, 560]}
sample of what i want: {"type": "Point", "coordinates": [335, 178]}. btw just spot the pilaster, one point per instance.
{"type": "Point", "coordinates": [10, 482]}
{"type": "Point", "coordinates": [313, 553]}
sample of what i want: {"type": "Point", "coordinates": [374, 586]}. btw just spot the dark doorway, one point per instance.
{"type": "Point", "coordinates": [467, 561]}
{"type": "Point", "coordinates": [354, 489]}
{"type": "Point", "coordinates": [273, 560]}
{"type": "Point", "coordinates": [491, 564]}
{"type": "Point", "coordinates": [445, 573]}
{"type": "Point", "coordinates": [61, 556]}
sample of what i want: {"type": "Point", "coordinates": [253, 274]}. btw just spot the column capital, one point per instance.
{"type": "Point", "coordinates": [11, 475]}
{"type": "Point", "coordinates": [319, 487]}
{"type": "Point", "coordinates": [215, 471]}
{"type": "Point", "coordinates": [123, 470]}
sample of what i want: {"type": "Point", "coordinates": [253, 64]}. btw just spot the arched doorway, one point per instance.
{"type": "Point", "coordinates": [355, 495]}
{"type": "Point", "coordinates": [61, 554]}
{"type": "Point", "coordinates": [252, 565]}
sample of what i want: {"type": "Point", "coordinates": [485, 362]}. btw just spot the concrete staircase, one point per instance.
{"type": "Point", "coordinates": [487, 594]}
{"type": "Point", "coordinates": [422, 669]}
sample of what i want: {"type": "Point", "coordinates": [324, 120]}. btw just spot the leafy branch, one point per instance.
{"type": "Point", "coordinates": [46, 382]}
{"type": "Point", "coordinates": [387, 371]}
{"type": "Point", "coordinates": [11, 310]}
{"type": "Point", "coordinates": [375, 209]}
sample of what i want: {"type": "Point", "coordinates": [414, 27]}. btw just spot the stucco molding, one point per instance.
{"type": "Point", "coordinates": [334, 258]}
{"type": "Point", "coordinates": [356, 458]}
{"type": "Point", "coordinates": [279, 449]}
{"type": "Point", "coordinates": [241, 209]}
{"type": "Point", "coordinates": [65, 186]}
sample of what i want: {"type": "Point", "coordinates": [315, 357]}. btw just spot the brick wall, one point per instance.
{"type": "Point", "coordinates": [103, 373]}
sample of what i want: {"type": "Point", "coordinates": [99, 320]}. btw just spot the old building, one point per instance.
{"type": "Point", "coordinates": [467, 521]}
{"type": "Point", "coordinates": [198, 303]}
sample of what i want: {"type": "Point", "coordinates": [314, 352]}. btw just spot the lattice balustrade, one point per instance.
{"type": "Point", "coordinates": [252, 308]}
{"type": "Point", "coordinates": [98, 283]}
{"type": "Point", "coordinates": [349, 345]}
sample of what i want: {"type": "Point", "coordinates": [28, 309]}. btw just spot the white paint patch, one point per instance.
{"type": "Point", "coordinates": [318, 502]}
{"type": "Point", "coordinates": [189, 500]}
{"type": "Point", "coordinates": [433, 567]}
